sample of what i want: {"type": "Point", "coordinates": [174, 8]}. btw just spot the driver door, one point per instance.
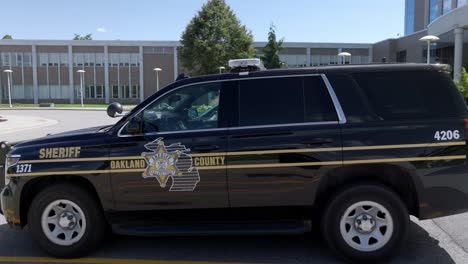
{"type": "Point", "coordinates": [171, 155]}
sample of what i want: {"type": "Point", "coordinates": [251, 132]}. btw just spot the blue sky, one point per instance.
{"type": "Point", "coordinates": [296, 20]}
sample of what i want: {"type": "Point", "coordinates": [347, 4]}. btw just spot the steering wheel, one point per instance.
{"type": "Point", "coordinates": [172, 122]}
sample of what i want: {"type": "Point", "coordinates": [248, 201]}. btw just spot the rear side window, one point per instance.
{"type": "Point", "coordinates": [411, 95]}
{"type": "Point", "coordinates": [284, 100]}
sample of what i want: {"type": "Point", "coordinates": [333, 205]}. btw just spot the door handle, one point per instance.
{"type": "Point", "coordinates": [205, 147]}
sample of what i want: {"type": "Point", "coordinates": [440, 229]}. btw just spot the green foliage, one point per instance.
{"type": "Point", "coordinates": [463, 83]}
{"type": "Point", "coordinates": [213, 37]}
{"type": "Point", "coordinates": [270, 56]}
{"type": "Point", "coordinates": [7, 36]}
{"type": "Point", "coordinates": [85, 37]}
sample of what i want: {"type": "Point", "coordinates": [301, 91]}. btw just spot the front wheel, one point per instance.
{"type": "Point", "coordinates": [66, 221]}
{"type": "Point", "coordinates": [365, 223]}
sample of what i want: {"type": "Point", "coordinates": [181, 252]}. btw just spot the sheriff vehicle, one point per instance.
{"type": "Point", "coordinates": [352, 149]}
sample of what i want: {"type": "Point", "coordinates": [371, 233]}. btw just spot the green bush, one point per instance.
{"type": "Point", "coordinates": [463, 83]}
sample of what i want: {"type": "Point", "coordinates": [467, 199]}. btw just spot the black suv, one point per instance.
{"type": "Point", "coordinates": [352, 149]}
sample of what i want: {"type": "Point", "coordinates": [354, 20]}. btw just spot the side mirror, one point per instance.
{"type": "Point", "coordinates": [134, 126]}
{"type": "Point", "coordinates": [114, 110]}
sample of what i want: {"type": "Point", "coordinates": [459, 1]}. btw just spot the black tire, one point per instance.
{"type": "Point", "coordinates": [93, 233]}
{"type": "Point", "coordinates": [338, 206]}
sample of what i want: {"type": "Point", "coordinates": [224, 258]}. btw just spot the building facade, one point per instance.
{"type": "Point", "coordinates": [45, 71]}
{"type": "Point", "coordinates": [446, 19]}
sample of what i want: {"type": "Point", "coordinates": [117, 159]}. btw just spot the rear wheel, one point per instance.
{"type": "Point", "coordinates": [66, 221]}
{"type": "Point", "coordinates": [366, 222]}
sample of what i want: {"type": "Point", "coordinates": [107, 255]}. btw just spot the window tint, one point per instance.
{"type": "Point", "coordinates": [352, 99]}
{"type": "Point", "coordinates": [284, 101]}
{"type": "Point", "coordinates": [190, 108]}
{"type": "Point", "coordinates": [271, 101]}
{"type": "Point", "coordinates": [318, 104]}
{"type": "Point", "coordinates": [411, 95]}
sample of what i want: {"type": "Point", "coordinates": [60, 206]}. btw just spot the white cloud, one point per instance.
{"type": "Point", "coordinates": [101, 29]}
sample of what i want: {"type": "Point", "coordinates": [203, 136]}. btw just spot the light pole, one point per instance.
{"type": "Point", "coordinates": [344, 55]}
{"type": "Point", "coordinates": [221, 69]}
{"type": "Point", "coordinates": [81, 72]}
{"type": "Point", "coordinates": [157, 70]}
{"type": "Point", "coordinates": [429, 39]}
{"type": "Point", "coordinates": [9, 72]}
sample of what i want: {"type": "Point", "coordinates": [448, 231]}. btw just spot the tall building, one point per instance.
{"type": "Point", "coordinates": [46, 70]}
{"type": "Point", "coordinates": [446, 19]}
{"type": "Point", "coordinates": [420, 13]}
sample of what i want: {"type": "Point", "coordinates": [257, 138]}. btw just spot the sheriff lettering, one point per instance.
{"type": "Point", "coordinates": [208, 161]}
{"type": "Point", "coordinates": [57, 153]}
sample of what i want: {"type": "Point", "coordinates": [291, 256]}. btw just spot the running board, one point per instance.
{"type": "Point", "coordinates": [207, 229]}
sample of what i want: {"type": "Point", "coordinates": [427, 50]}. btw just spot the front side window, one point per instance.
{"type": "Point", "coordinates": [189, 108]}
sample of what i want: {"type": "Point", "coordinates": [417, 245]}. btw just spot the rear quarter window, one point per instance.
{"type": "Point", "coordinates": [411, 95]}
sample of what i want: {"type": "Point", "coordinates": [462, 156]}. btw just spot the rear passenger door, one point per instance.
{"type": "Point", "coordinates": [286, 137]}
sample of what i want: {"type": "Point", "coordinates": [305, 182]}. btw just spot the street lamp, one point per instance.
{"type": "Point", "coordinates": [81, 72]}
{"type": "Point", "coordinates": [221, 69]}
{"type": "Point", "coordinates": [344, 55]}
{"type": "Point", "coordinates": [157, 70]}
{"type": "Point", "coordinates": [9, 72]}
{"type": "Point", "coordinates": [429, 39]}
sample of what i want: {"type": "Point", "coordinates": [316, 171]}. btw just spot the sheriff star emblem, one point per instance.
{"type": "Point", "coordinates": [171, 161]}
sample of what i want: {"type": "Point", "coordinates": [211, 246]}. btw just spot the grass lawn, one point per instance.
{"type": "Point", "coordinates": [62, 105]}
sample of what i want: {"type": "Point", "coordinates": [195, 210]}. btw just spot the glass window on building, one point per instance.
{"type": "Point", "coordinates": [43, 59]}
{"type": "Point", "coordinates": [78, 59]}
{"type": "Point", "coordinates": [63, 59]}
{"type": "Point", "coordinates": [99, 91]}
{"type": "Point", "coordinates": [54, 59]}
{"type": "Point", "coordinates": [462, 3]}
{"type": "Point", "coordinates": [115, 91]}
{"type": "Point", "coordinates": [434, 10]}
{"type": "Point", "coordinates": [89, 59]}
{"type": "Point", "coordinates": [99, 59]}
{"type": "Point", "coordinates": [125, 90]}
{"type": "Point", "coordinates": [124, 59]}
{"type": "Point", "coordinates": [446, 6]}
{"type": "Point", "coordinates": [27, 59]}
{"type": "Point", "coordinates": [44, 92]}
{"type": "Point", "coordinates": [134, 59]}
{"type": "Point", "coordinates": [409, 17]}
{"type": "Point", "coordinates": [114, 59]}
{"type": "Point", "coordinates": [135, 91]}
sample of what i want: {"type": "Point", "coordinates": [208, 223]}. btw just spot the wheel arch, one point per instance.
{"type": "Point", "coordinates": [397, 178]}
{"type": "Point", "coordinates": [33, 187]}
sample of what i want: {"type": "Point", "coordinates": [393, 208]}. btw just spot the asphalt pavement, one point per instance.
{"type": "Point", "coordinates": [443, 240]}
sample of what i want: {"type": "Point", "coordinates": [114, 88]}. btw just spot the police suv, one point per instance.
{"type": "Point", "coordinates": [352, 149]}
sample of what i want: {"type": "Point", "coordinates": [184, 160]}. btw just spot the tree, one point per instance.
{"type": "Point", "coordinates": [7, 36]}
{"type": "Point", "coordinates": [271, 51]}
{"type": "Point", "coordinates": [213, 37]}
{"type": "Point", "coordinates": [463, 83]}
{"type": "Point", "coordinates": [85, 37]}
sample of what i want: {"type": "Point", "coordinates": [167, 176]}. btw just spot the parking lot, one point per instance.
{"type": "Point", "coordinates": [443, 240]}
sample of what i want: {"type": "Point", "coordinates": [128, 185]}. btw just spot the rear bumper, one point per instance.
{"type": "Point", "coordinates": [444, 192]}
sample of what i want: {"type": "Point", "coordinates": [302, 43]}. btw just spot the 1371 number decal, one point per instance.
{"type": "Point", "coordinates": [447, 135]}
{"type": "Point", "coordinates": [23, 168]}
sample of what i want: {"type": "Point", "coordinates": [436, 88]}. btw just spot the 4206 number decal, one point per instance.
{"type": "Point", "coordinates": [447, 135]}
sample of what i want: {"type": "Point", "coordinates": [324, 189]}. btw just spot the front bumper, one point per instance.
{"type": "Point", "coordinates": [10, 208]}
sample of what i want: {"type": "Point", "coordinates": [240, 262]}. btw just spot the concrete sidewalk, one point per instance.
{"type": "Point", "coordinates": [16, 123]}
